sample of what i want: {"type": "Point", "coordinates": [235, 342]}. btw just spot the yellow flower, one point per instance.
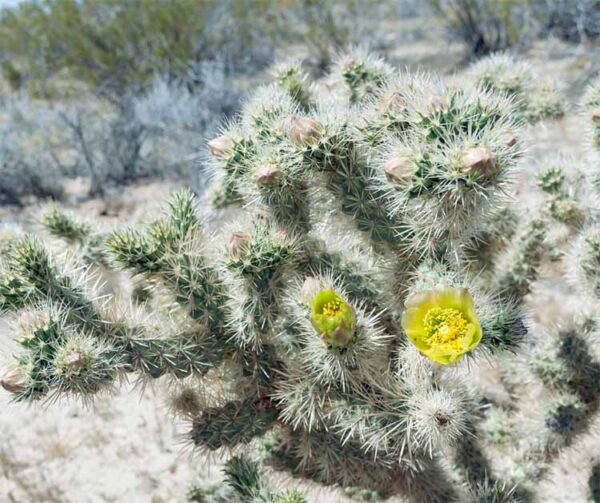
{"type": "Point", "coordinates": [333, 318]}
{"type": "Point", "coordinates": [442, 324]}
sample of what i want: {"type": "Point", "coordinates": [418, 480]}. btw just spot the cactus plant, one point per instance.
{"type": "Point", "coordinates": [590, 105]}
{"type": "Point", "coordinates": [332, 328]}
{"type": "Point", "coordinates": [536, 99]}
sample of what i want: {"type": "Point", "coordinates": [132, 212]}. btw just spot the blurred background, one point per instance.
{"type": "Point", "coordinates": [106, 106]}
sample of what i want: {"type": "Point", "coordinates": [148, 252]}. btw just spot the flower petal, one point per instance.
{"type": "Point", "coordinates": [419, 304]}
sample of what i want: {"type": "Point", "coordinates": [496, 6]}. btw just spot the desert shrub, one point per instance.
{"type": "Point", "coordinates": [488, 25]}
{"type": "Point", "coordinates": [27, 159]}
{"type": "Point", "coordinates": [108, 143]}
{"type": "Point", "coordinates": [179, 114]}
{"type": "Point", "coordinates": [156, 133]}
{"type": "Point", "coordinates": [115, 45]}
{"type": "Point", "coordinates": [573, 20]}
{"type": "Point", "coordinates": [326, 27]}
{"type": "Point", "coordinates": [594, 484]}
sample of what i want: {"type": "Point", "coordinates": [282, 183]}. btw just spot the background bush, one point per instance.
{"type": "Point", "coordinates": [492, 25]}
{"type": "Point", "coordinates": [27, 164]}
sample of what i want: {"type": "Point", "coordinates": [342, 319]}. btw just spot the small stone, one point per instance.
{"type": "Point", "coordinates": [220, 146]}
{"type": "Point", "coordinates": [237, 246]}
{"type": "Point", "coordinates": [398, 169]}
{"type": "Point", "coordinates": [478, 160]}
{"type": "Point", "coordinates": [266, 174]}
{"type": "Point", "coordinates": [305, 131]}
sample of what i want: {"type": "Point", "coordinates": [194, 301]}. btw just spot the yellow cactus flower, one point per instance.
{"type": "Point", "coordinates": [333, 318]}
{"type": "Point", "coordinates": [442, 324]}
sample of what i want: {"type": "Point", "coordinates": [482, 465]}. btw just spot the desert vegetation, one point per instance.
{"type": "Point", "coordinates": [376, 275]}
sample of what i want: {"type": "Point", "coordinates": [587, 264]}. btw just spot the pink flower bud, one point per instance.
{"type": "Point", "coordinates": [266, 174]}
{"type": "Point", "coordinates": [11, 379]}
{"type": "Point", "coordinates": [305, 131]}
{"type": "Point", "coordinates": [220, 146]}
{"type": "Point", "coordinates": [478, 160]}
{"type": "Point", "coordinates": [398, 169]}
{"type": "Point", "coordinates": [237, 245]}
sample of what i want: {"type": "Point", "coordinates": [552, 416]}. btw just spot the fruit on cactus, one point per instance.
{"type": "Point", "coordinates": [304, 131]}
{"type": "Point", "coordinates": [442, 324]}
{"type": "Point", "coordinates": [266, 174]}
{"type": "Point", "coordinates": [398, 169]}
{"type": "Point", "coordinates": [333, 318]}
{"type": "Point", "coordinates": [238, 243]}
{"type": "Point", "coordinates": [11, 379]}
{"type": "Point", "coordinates": [478, 160]}
{"type": "Point", "coordinates": [220, 146]}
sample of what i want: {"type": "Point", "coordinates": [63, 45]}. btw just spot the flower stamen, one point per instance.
{"type": "Point", "coordinates": [332, 308]}
{"type": "Point", "coordinates": [445, 328]}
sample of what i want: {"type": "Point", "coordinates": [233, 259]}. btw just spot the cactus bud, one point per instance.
{"type": "Point", "coordinates": [305, 131]}
{"type": "Point", "coordinates": [596, 116]}
{"type": "Point", "coordinates": [220, 146]}
{"type": "Point", "coordinates": [11, 379]}
{"type": "Point", "coordinates": [511, 140]}
{"type": "Point", "coordinates": [310, 287]}
{"type": "Point", "coordinates": [398, 169]}
{"type": "Point", "coordinates": [333, 318]}
{"type": "Point", "coordinates": [266, 174]}
{"type": "Point", "coordinates": [478, 160]}
{"type": "Point", "coordinates": [238, 243]}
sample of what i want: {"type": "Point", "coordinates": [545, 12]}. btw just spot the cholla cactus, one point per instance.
{"type": "Point", "coordinates": [571, 195]}
{"type": "Point", "coordinates": [536, 99]}
{"type": "Point", "coordinates": [583, 262]}
{"type": "Point", "coordinates": [313, 325]}
{"type": "Point", "coordinates": [566, 363]}
{"type": "Point", "coordinates": [291, 77]}
{"type": "Point", "coordinates": [590, 105]}
{"type": "Point", "coordinates": [243, 482]}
